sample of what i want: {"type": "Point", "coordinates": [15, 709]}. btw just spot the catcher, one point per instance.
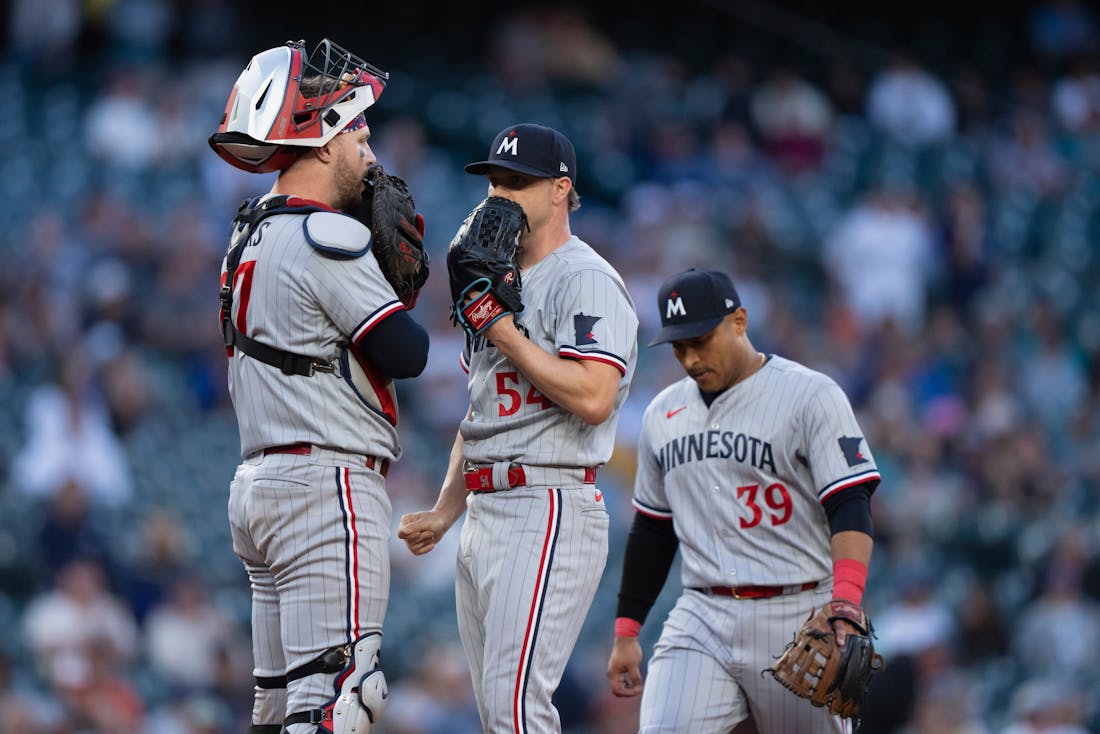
{"type": "Point", "coordinates": [317, 284]}
{"type": "Point", "coordinates": [756, 467]}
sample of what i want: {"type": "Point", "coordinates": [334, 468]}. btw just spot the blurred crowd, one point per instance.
{"type": "Point", "coordinates": [920, 227]}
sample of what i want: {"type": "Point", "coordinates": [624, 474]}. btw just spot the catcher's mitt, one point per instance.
{"type": "Point", "coordinates": [482, 260]}
{"type": "Point", "coordinates": [815, 667]}
{"type": "Point", "coordinates": [397, 233]}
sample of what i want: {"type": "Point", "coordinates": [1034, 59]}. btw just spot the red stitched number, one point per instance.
{"type": "Point", "coordinates": [514, 401]}
{"type": "Point", "coordinates": [776, 497]}
{"type": "Point", "coordinates": [243, 281]}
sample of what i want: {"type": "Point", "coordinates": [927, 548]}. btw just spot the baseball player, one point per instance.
{"type": "Point", "coordinates": [756, 467]}
{"type": "Point", "coordinates": [315, 335]}
{"type": "Point", "coordinates": [546, 385]}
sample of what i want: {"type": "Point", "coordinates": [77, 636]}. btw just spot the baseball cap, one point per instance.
{"type": "Point", "coordinates": [536, 150]}
{"type": "Point", "coordinates": [694, 302]}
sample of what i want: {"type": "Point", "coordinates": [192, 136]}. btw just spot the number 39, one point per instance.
{"type": "Point", "coordinates": [776, 497]}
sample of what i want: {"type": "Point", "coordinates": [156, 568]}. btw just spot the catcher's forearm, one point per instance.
{"type": "Point", "coordinates": [586, 389]}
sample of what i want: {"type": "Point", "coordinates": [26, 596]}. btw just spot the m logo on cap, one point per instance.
{"type": "Point", "coordinates": [510, 144]}
{"type": "Point", "coordinates": [675, 306]}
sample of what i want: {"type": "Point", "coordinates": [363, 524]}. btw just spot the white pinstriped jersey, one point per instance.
{"type": "Point", "coordinates": [743, 480]}
{"type": "Point", "coordinates": [576, 306]}
{"type": "Point", "coordinates": [292, 296]}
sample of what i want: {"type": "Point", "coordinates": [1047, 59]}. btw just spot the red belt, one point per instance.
{"type": "Point", "coordinates": [759, 592]}
{"type": "Point", "coordinates": [382, 466]}
{"type": "Point", "coordinates": [481, 480]}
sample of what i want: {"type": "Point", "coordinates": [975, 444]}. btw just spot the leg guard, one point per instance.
{"type": "Point", "coordinates": [361, 693]}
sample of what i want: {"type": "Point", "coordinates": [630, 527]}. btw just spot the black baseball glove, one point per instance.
{"type": "Point", "coordinates": [397, 233]}
{"type": "Point", "coordinates": [481, 261]}
{"type": "Point", "coordinates": [814, 666]}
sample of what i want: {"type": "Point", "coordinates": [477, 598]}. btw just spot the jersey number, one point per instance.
{"type": "Point", "coordinates": [776, 497]}
{"type": "Point", "coordinates": [243, 282]}
{"type": "Point", "coordinates": [511, 400]}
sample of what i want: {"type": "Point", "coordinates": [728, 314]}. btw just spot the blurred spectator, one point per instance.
{"type": "Point", "coordinates": [967, 248]}
{"type": "Point", "coordinates": [1026, 160]}
{"type": "Point", "coordinates": [881, 256]}
{"type": "Point", "coordinates": [947, 705]}
{"type": "Point", "coordinates": [24, 709]}
{"type": "Point", "coordinates": [69, 436]}
{"type": "Point", "coordinates": [43, 33]}
{"type": "Point", "coordinates": [535, 46]}
{"type": "Point", "coordinates": [1076, 96]}
{"type": "Point", "coordinates": [161, 557]}
{"type": "Point", "coordinates": [1053, 377]}
{"type": "Point", "coordinates": [78, 625]}
{"type": "Point", "coordinates": [983, 630]}
{"type": "Point", "coordinates": [99, 698]}
{"type": "Point", "coordinates": [138, 31]}
{"type": "Point", "coordinates": [184, 633]}
{"type": "Point", "coordinates": [121, 125]}
{"type": "Point", "coordinates": [793, 118]}
{"type": "Point", "coordinates": [1058, 633]}
{"type": "Point", "coordinates": [67, 533]}
{"type": "Point", "coordinates": [1047, 707]}
{"type": "Point", "coordinates": [910, 104]}
{"type": "Point", "coordinates": [917, 623]}
{"type": "Point", "coordinates": [126, 392]}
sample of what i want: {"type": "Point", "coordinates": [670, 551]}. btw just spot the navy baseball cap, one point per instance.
{"type": "Point", "coordinates": [694, 302]}
{"type": "Point", "coordinates": [536, 150]}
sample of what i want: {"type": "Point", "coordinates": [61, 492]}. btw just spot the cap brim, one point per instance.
{"type": "Point", "coordinates": [676, 332]}
{"type": "Point", "coordinates": [482, 167]}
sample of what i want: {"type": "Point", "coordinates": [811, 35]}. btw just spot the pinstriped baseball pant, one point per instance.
{"type": "Point", "coordinates": [529, 563]}
{"type": "Point", "coordinates": [312, 532]}
{"type": "Point", "coordinates": [705, 674]}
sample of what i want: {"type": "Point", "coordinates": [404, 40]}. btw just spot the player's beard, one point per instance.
{"type": "Point", "coordinates": [349, 185]}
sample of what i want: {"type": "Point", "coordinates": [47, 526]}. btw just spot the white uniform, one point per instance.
{"type": "Point", "coordinates": [743, 481]}
{"type": "Point", "coordinates": [532, 556]}
{"type": "Point", "coordinates": [308, 510]}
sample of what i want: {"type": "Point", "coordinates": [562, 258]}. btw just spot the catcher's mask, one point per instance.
{"type": "Point", "coordinates": [285, 100]}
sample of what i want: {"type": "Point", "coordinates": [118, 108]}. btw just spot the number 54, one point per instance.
{"type": "Point", "coordinates": [513, 397]}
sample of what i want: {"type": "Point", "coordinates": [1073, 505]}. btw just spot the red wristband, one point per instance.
{"type": "Point", "coordinates": [849, 579]}
{"type": "Point", "coordinates": [627, 627]}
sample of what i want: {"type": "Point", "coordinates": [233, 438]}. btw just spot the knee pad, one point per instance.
{"type": "Point", "coordinates": [360, 689]}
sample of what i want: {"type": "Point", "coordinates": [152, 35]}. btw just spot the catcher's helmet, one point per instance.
{"type": "Point", "coordinates": [285, 100]}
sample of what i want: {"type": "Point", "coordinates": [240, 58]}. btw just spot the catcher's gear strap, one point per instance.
{"type": "Point", "coordinates": [250, 214]}
{"type": "Point", "coordinates": [329, 661]}
{"type": "Point", "coordinates": [650, 551]}
{"type": "Point", "coordinates": [337, 234]}
{"type": "Point", "coordinates": [361, 692]}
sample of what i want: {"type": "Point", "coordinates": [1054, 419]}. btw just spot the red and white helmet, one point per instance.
{"type": "Point", "coordinates": [284, 100]}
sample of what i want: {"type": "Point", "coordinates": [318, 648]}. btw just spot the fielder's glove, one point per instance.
{"type": "Point", "coordinates": [482, 260]}
{"type": "Point", "coordinates": [397, 233]}
{"type": "Point", "coordinates": [815, 667]}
